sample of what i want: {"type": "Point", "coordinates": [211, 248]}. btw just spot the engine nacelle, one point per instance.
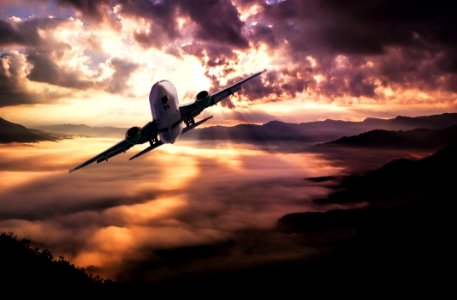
{"type": "Point", "coordinates": [204, 99]}
{"type": "Point", "coordinates": [133, 135]}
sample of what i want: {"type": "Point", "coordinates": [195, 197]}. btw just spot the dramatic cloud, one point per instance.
{"type": "Point", "coordinates": [34, 62]}
{"type": "Point", "coordinates": [95, 9]}
{"type": "Point", "coordinates": [45, 70]}
{"type": "Point", "coordinates": [12, 90]}
{"type": "Point", "coordinates": [122, 71]}
{"type": "Point", "coordinates": [7, 34]}
{"type": "Point", "coordinates": [340, 54]}
{"type": "Point", "coordinates": [217, 20]}
{"type": "Point", "coordinates": [385, 44]}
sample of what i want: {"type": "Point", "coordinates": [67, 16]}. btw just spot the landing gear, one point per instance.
{"type": "Point", "coordinates": [154, 140]}
{"type": "Point", "coordinates": [189, 122]}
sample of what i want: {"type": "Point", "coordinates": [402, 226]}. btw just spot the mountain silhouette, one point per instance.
{"type": "Point", "coordinates": [318, 131]}
{"type": "Point", "coordinates": [411, 139]}
{"type": "Point", "coordinates": [408, 123]}
{"type": "Point", "coordinates": [403, 237]}
{"type": "Point", "coordinates": [85, 130]}
{"type": "Point", "coordinates": [34, 270]}
{"type": "Point", "coordinates": [400, 181]}
{"type": "Point", "coordinates": [12, 132]}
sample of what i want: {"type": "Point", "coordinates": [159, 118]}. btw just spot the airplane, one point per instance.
{"type": "Point", "coordinates": [167, 119]}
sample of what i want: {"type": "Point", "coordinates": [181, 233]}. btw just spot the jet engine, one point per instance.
{"type": "Point", "coordinates": [204, 99]}
{"type": "Point", "coordinates": [133, 135]}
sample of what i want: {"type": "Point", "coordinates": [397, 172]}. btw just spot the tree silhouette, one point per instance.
{"type": "Point", "coordinates": [35, 269]}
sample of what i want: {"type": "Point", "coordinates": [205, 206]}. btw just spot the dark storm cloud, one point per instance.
{"type": "Point", "coordinates": [218, 28]}
{"type": "Point", "coordinates": [405, 41]}
{"type": "Point", "coordinates": [281, 84]}
{"type": "Point", "coordinates": [26, 32]}
{"type": "Point", "coordinates": [410, 44]}
{"type": "Point", "coordinates": [211, 55]}
{"type": "Point", "coordinates": [7, 34]}
{"type": "Point", "coordinates": [401, 45]}
{"type": "Point", "coordinates": [162, 14]}
{"type": "Point", "coordinates": [12, 92]}
{"type": "Point", "coordinates": [46, 70]}
{"type": "Point", "coordinates": [217, 20]}
{"type": "Point", "coordinates": [122, 71]}
{"type": "Point", "coordinates": [90, 8]}
{"type": "Point", "coordinates": [214, 55]}
{"type": "Point", "coordinates": [42, 53]}
{"type": "Point", "coordinates": [351, 27]}
{"type": "Point", "coordinates": [15, 68]}
{"type": "Point", "coordinates": [448, 62]}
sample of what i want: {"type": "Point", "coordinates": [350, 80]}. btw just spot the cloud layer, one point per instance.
{"type": "Point", "coordinates": [179, 196]}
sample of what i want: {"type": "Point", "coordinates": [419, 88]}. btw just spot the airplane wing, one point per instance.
{"type": "Point", "coordinates": [120, 147]}
{"type": "Point", "coordinates": [190, 111]}
{"type": "Point", "coordinates": [148, 133]}
{"type": "Point", "coordinates": [144, 151]}
{"type": "Point", "coordinates": [224, 93]}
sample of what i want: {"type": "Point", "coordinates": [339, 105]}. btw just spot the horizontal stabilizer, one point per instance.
{"type": "Point", "coordinates": [188, 128]}
{"type": "Point", "coordinates": [152, 147]}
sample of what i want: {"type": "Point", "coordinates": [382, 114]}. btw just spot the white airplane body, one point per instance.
{"type": "Point", "coordinates": [169, 119]}
{"type": "Point", "coordinates": [165, 110]}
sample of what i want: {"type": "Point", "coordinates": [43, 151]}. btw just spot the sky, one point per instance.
{"type": "Point", "coordinates": [93, 62]}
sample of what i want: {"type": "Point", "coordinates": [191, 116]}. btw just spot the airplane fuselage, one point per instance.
{"type": "Point", "coordinates": [168, 119]}
{"type": "Point", "coordinates": [164, 103]}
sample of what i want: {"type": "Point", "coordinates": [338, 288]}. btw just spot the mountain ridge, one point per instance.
{"type": "Point", "coordinates": [84, 130]}
{"type": "Point", "coordinates": [305, 132]}
{"type": "Point", "coordinates": [11, 132]}
{"type": "Point", "coordinates": [402, 139]}
{"type": "Point", "coordinates": [320, 131]}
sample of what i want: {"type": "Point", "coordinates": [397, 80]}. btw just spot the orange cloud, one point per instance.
{"type": "Point", "coordinates": [181, 195]}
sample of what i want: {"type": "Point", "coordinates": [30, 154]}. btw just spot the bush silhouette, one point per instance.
{"type": "Point", "coordinates": [32, 268]}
